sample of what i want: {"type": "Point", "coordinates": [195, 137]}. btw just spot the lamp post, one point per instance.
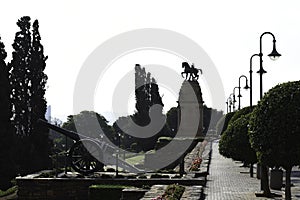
{"type": "Point", "coordinates": [117, 153]}
{"type": "Point", "coordinates": [274, 55]}
{"type": "Point", "coordinates": [234, 100]}
{"type": "Point", "coordinates": [250, 72]}
{"type": "Point", "coordinates": [246, 87]}
{"type": "Point", "coordinates": [228, 103]}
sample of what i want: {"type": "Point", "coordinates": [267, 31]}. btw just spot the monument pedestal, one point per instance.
{"type": "Point", "coordinates": [190, 107]}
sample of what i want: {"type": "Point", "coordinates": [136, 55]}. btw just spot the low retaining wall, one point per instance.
{"type": "Point", "coordinates": [77, 188]}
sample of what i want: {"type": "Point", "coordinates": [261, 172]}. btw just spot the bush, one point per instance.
{"type": "Point", "coordinates": [235, 143]}
{"type": "Point", "coordinates": [223, 123]}
{"type": "Point", "coordinates": [275, 128]}
{"type": "Point", "coordinates": [240, 113]}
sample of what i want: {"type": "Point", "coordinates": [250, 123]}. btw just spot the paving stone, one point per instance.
{"type": "Point", "coordinates": [227, 180]}
{"type": "Point", "coordinates": [192, 193]}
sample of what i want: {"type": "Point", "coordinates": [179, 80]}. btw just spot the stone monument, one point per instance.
{"type": "Point", "coordinates": [190, 107]}
{"type": "Point", "coordinates": [189, 129]}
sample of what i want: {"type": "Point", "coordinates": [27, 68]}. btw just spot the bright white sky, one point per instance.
{"type": "Point", "coordinates": [228, 31]}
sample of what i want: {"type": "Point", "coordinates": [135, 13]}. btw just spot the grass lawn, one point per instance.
{"type": "Point", "coordinates": [139, 159]}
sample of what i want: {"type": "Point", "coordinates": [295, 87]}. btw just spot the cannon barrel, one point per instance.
{"type": "Point", "coordinates": [71, 134]}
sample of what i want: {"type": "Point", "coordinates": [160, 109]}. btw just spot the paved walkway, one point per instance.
{"type": "Point", "coordinates": [228, 180]}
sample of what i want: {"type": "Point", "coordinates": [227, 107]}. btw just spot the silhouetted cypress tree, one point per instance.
{"type": "Point", "coordinates": [148, 91]}
{"type": "Point", "coordinates": [19, 78]}
{"type": "Point", "coordinates": [19, 68]}
{"type": "Point", "coordinates": [6, 132]}
{"type": "Point", "coordinates": [158, 112]}
{"type": "Point", "coordinates": [142, 106]}
{"type": "Point", "coordinates": [38, 104]}
{"type": "Point", "coordinates": [155, 96]}
{"type": "Point", "coordinates": [147, 95]}
{"type": "Point", "coordinates": [28, 104]}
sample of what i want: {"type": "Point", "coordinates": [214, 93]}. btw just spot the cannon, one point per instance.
{"type": "Point", "coordinates": [88, 154]}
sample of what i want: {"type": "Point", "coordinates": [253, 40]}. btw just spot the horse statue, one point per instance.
{"type": "Point", "coordinates": [191, 73]}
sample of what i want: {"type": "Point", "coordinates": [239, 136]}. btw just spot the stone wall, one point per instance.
{"type": "Point", "coordinates": [47, 188]}
{"type": "Point", "coordinates": [78, 188]}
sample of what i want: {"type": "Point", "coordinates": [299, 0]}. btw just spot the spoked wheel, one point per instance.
{"type": "Point", "coordinates": [85, 156]}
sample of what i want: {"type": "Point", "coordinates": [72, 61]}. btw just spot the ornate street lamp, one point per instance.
{"type": "Point", "coordinates": [274, 55]}
{"type": "Point", "coordinates": [229, 103]}
{"type": "Point", "coordinates": [232, 103]}
{"type": "Point", "coordinates": [246, 88]}
{"type": "Point", "coordinates": [234, 100]}
{"type": "Point", "coordinates": [250, 72]}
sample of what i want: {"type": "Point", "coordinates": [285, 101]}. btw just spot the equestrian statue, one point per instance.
{"type": "Point", "coordinates": [191, 73]}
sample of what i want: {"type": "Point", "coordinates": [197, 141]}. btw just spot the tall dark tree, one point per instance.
{"type": "Point", "coordinates": [19, 78]}
{"type": "Point", "coordinates": [28, 80]}
{"type": "Point", "coordinates": [155, 96]}
{"type": "Point", "coordinates": [6, 130]}
{"type": "Point", "coordinates": [147, 95]}
{"type": "Point", "coordinates": [148, 90]}
{"type": "Point", "coordinates": [142, 106]}
{"type": "Point", "coordinates": [19, 82]}
{"type": "Point", "coordinates": [38, 105]}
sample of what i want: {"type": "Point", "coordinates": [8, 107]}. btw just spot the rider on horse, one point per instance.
{"type": "Point", "coordinates": [191, 72]}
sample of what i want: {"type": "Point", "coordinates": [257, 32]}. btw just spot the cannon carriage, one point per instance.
{"type": "Point", "coordinates": [88, 154]}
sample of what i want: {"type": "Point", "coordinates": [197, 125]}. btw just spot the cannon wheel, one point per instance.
{"type": "Point", "coordinates": [85, 155]}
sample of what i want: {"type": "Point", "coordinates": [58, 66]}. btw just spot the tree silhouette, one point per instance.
{"type": "Point", "coordinates": [235, 143]}
{"type": "Point", "coordinates": [28, 80]}
{"type": "Point", "coordinates": [155, 96]}
{"type": "Point", "coordinates": [83, 119]}
{"type": "Point", "coordinates": [142, 97]}
{"type": "Point", "coordinates": [19, 77]}
{"type": "Point", "coordinates": [275, 129]}
{"type": "Point", "coordinates": [37, 102]}
{"type": "Point", "coordinates": [6, 131]}
{"type": "Point", "coordinates": [146, 95]}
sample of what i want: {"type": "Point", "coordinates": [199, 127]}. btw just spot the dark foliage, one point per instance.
{"type": "Point", "coordinates": [235, 143]}
{"type": "Point", "coordinates": [83, 123]}
{"type": "Point", "coordinates": [6, 130]}
{"type": "Point", "coordinates": [223, 123]}
{"type": "Point", "coordinates": [240, 113]}
{"type": "Point", "coordinates": [148, 103]}
{"type": "Point", "coordinates": [275, 128]}
{"type": "Point", "coordinates": [28, 80]}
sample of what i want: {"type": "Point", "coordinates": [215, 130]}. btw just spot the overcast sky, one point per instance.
{"type": "Point", "coordinates": [228, 31]}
